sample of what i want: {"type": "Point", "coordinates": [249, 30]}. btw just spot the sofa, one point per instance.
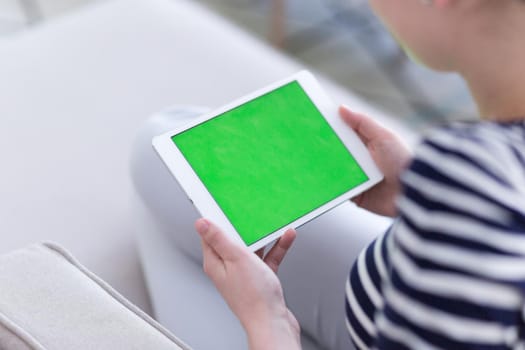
{"type": "Point", "coordinates": [75, 93]}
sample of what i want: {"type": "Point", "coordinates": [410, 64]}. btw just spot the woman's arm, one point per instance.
{"type": "Point", "coordinates": [249, 284]}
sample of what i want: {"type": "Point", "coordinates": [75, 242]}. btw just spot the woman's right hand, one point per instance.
{"type": "Point", "coordinates": [390, 154]}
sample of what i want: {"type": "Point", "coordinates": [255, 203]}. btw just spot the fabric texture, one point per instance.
{"type": "Point", "coordinates": [450, 272]}
{"type": "Point", "coordinates": [50, 301]}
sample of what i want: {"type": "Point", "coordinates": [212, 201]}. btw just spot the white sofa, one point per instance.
{"type": "Point", "coordinates": [75, 91]}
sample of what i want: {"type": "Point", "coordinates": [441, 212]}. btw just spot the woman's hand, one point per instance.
{"type": "Point", "coordinates": [249, 284]}
{"type": "Point", "coordinates": [391, 156]}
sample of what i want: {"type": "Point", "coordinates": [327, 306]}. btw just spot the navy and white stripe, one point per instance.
{"type": "Point", "coordinates": [450, 272]}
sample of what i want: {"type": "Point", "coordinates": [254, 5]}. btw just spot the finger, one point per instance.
{"type": "Point", "coordinates": [366, 128]}
{"type": "Point", "coordinates": [358, 200]}
{"type": "Point", "coordinates": [260, 253]}
{"type": "Point", "coordinates": [211, 262]}
{"type": "Point", "coordinates": [276, 255]}
{"type": "Point", "coordinates": [225, 247]}
{"type": "Point", "coordinates": [208, 252]}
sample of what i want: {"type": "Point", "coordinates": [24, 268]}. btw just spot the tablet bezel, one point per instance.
{"type": "Point", "coordinates": [204, 201]}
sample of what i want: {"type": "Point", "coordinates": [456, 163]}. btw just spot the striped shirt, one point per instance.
{"type": "Point", "coordinates": [450, 272]}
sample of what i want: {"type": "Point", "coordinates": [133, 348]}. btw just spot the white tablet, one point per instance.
{"type": "Point", "coordinates": [269, 161]}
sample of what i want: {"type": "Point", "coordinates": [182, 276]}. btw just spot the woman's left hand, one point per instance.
{"type": "Point", "coordinates": [249, 284]}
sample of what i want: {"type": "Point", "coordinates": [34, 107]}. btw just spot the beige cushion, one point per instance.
{"type": "Point", "coordinates": [50, 301]}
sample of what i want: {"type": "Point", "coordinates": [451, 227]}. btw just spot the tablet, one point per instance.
{"type": "Point", "coordinates": [269, 161]}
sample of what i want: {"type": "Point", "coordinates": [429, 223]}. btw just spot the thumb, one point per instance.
{"type": "Point", "coordinates": [366, 128]}
{"type": "Point", "coordinates": [223, 245]}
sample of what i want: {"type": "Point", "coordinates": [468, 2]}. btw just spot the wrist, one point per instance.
{"type": "Point", "coordinates": [274, 332]}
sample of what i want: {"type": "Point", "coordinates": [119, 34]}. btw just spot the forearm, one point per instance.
{"type": "Point", "coordinates": [281, 333]}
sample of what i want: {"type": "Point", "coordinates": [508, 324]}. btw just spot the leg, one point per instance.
{"type": "Point", "coordinates": [314, 273]}
{"type": "Point", "coordinates": [183, 298]}
{"type": "Point", "coordinates": [157, 188]}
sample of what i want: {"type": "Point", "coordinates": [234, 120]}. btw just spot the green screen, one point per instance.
{"type": "Point", "coordinates": [270, 161]}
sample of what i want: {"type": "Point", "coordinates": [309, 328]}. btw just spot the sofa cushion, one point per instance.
{"type": "Point", "coordinates": [50, 301]}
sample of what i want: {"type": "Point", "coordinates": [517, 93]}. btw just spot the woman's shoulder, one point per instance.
{"type": "Point", "coordinates": [481, 132]}
{"type": "Point", "coordinates": [476, 169]}
{"type": "Point", "coordinates": [494, 152]}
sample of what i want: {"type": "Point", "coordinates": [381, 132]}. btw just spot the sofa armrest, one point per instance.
{"type": "Point", "coordinates": [50, 301]}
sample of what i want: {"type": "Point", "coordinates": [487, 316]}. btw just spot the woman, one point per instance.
{"type": "Point", "coordinates": [450, 273]}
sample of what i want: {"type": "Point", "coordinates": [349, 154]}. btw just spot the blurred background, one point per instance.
{"type": "Point", "coordinates": [340, 38]}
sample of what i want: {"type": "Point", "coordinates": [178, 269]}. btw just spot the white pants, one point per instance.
{"type": "Point", "coordinates": [314, 272]}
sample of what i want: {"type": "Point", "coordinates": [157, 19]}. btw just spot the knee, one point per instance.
{"type": "Point", "coordinates": [156, 187]}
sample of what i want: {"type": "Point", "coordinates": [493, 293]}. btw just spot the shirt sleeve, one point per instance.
{"type": "Point", "coordinates": [364, 296]}
{"type": "Point", "coordinates": [456, 276]}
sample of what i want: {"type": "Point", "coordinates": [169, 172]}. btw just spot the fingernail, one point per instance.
{"type": "Point", "coordinates": [202, 226]}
